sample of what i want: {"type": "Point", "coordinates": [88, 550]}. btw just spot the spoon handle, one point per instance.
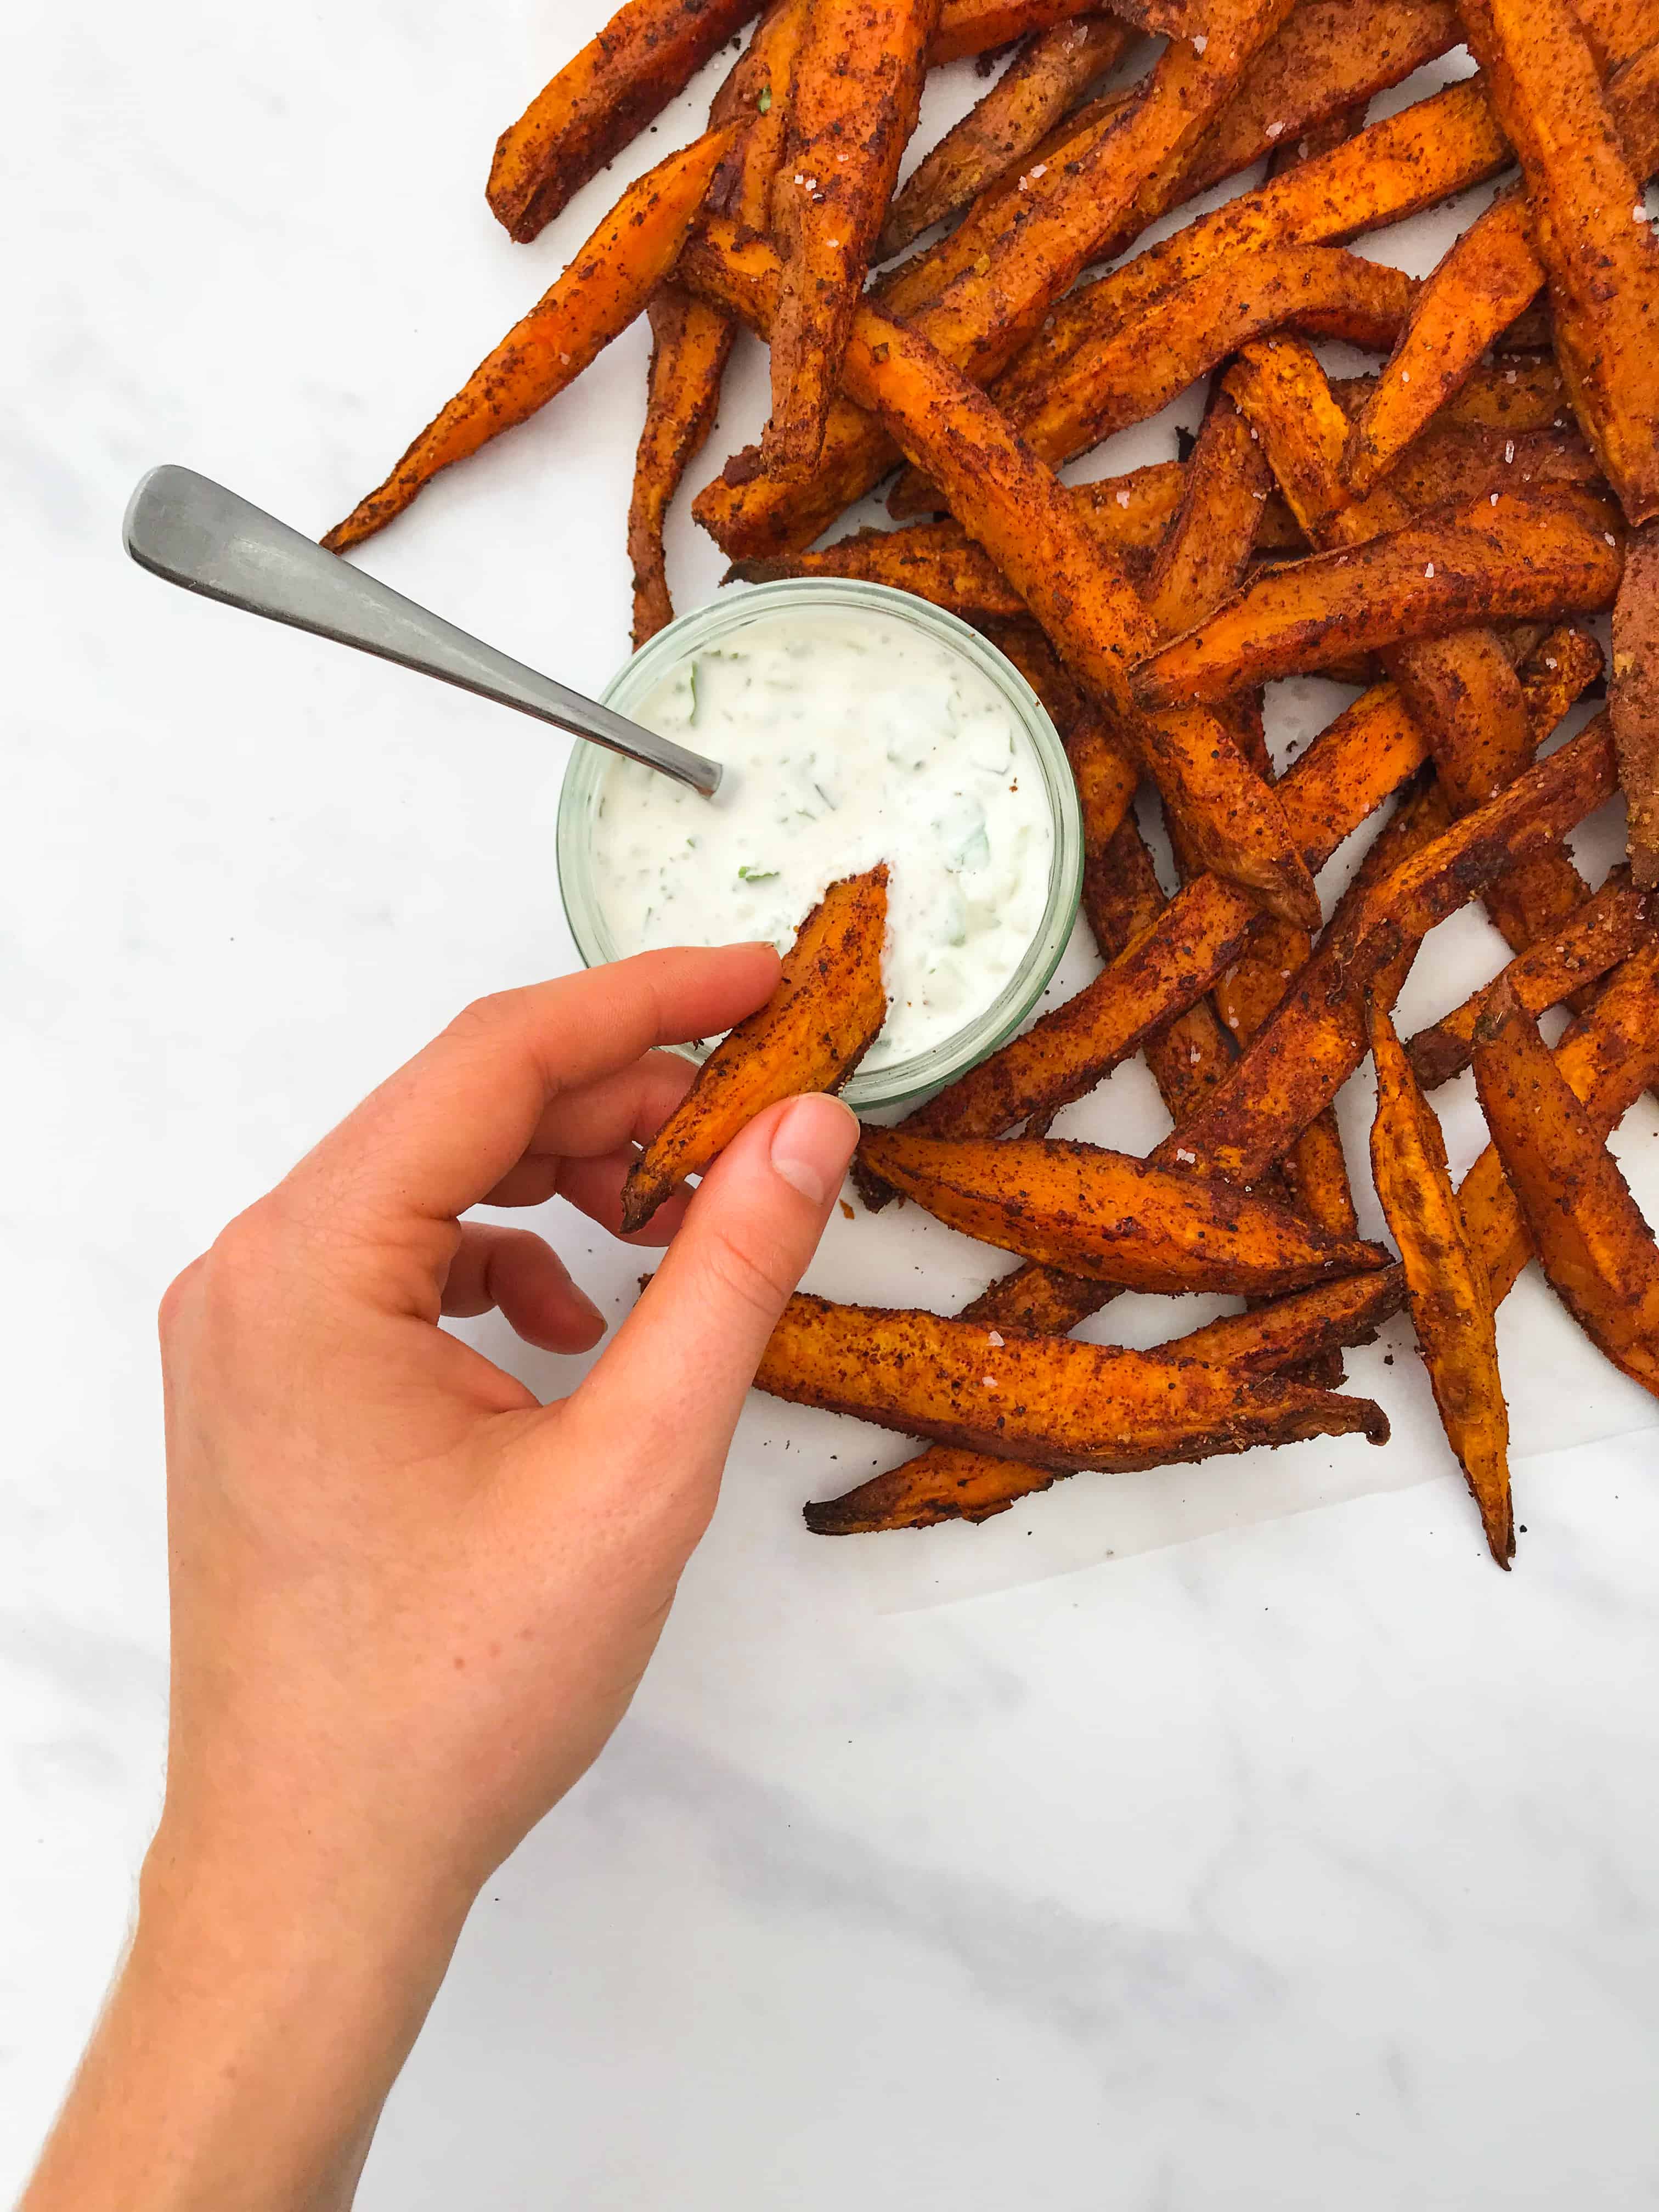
{"type": "Point", "coordinates": [194, 532]}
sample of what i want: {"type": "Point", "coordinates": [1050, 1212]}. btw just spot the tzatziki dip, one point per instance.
{"type": "Point", "coordinates": [848, 738]}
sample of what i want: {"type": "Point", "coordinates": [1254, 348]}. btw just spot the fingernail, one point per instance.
{"type": "Point", "coordinates": [811, 1144]}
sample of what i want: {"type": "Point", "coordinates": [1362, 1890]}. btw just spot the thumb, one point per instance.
{"type": "Point", "coordinates": [673, 1379]}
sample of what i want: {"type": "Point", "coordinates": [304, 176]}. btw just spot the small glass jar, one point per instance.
{"type": "Point", "coordinates": [924, 1071]}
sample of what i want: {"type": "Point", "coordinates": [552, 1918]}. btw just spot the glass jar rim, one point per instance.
{"type": "Point", "coordinates": [905, 1081]}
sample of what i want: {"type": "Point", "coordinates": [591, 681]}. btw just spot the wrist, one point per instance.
{"type": "Point", "coordinates": [266, 2006]}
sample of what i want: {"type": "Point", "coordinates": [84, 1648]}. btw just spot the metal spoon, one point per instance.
{"type": "Point", "coordinates": [194, 532]}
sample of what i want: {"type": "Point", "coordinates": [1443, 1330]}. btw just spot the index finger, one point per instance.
{"type": "Point", "coordinates": [442, 1132]}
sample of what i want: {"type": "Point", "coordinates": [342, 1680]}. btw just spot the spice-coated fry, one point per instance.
{"type": "Point", "coordinates": [853, 105]}
{"type": "Point", "coordinates": [1449, 1294]}
{"type": "Point", "coordinates": [1391, 170]}
{"type": "Point", "coordinates": [1030, 256]}
{"type": "Point", "coordinates": [1606, 930]}
{"type": "Point", "coordinates": [1152, 357]}
{"type": "Point", "coordinates": [604, 97]}
{"type": "Point", "coordinates": [1089, 1211]}
{"type": "Point", "coordinates": [1058, 1403]}
{"type": "Point", "coordinates": [691, 344]}
{"type": "Point", "coordinates": [1503, 558]}
{"type": "Point", "coordinates": [1316, 1038]}
{"type": "Point", "coordinates": [1608, 1058]}
{"type": "Point", "coordinates": [976, 27]}
{"type": "Point", "coordinates": [1462, 690]}
{"type": "Point", "coordinates": [1633, 697]}
{"type": "Point", "coordinates": [1487, 279]}
{"type": "Point", "coordinates": [601, 292]}
{"type": "Point", "coordinates": [949, 1484]}
{"type": "Point", "coordinates": [1589, 227]}
{"type": "Point", "coordinates": [1356, 764]}
{"type": "Point", "coordinates": [1596, 1250]}
{"type": "Point", "coordinates": [1207, 547]}
{"type": "Point", "coordinates": [1089, 608]}
{"type": "Point", "coordinates": [1322, 60]}
{"type": "Point", "coordinates": [809, 1036]}
{"type": "Point", "coordinates": [1038, 88]}
{"type": "Point", "coordinates": [1326, 62]}
{"type": "Point", "coordinates": [756, 98]}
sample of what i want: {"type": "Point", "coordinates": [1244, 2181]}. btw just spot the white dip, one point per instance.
{"type": "Point", "coordinates": [848, 738]}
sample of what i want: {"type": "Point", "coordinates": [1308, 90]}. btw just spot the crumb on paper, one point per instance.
{"type": "Point", "coordinates": [847, 1211]}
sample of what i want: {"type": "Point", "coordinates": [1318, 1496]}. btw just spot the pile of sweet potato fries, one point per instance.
{"type": "Point", "coordinates": [1440, 534]}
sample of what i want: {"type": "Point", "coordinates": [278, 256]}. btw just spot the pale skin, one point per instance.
{"type": "Point", "coordinates": [410, 1602]}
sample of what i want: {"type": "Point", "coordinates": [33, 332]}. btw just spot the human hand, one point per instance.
{"type": "Point", "coordinates": [410, 1602]}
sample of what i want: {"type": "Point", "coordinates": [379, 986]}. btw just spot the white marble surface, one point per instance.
{"type": "Point", "coordinates": [1307, 1861]}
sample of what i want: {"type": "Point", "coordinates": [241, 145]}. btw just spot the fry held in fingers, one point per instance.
{"type": "Point", "coordinates": [809, 1036]}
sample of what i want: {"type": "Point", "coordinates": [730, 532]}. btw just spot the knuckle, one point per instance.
{"type": "Point", "coordinates": [237, 1265]}
{"type": "Point", "coordinates": [480, 1017]}
{"type": "Point", "coordinates": [178, 1297]}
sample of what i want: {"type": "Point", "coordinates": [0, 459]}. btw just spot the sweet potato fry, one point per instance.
{"type": "Point", "coordinates": [1514, 397]}
{"type": "Point", "coordinates": [978, 27]}
{"type": "Point", "coordinates": [1486, 280]}
{"type": "Point", "coordinates": [1589, 227]}
{"type": "Point", "coordinates": [809, 1036]}
{"type": "Point", "coordinates": [606, 285]}
{"type": "Point", "coordinates": [1061, 1405]}
{"type": "Point", "coordinates": [649, 50]}
{"type": "Point", "coordinates": [1606, 1060]}
{"type": "Point", "coordinates": [1363, 756]}
{"type": "Point", "coordinates": [691, 344]}
{"type": "Point", "coordinates": [1027, 258]}
{"type": "Point", "coordinates": [1633, 698]}
{"type": "Point", "coordinates": [1036, 89]}
{"type": "Point", "coordinates": [1461, 689]}
{"type": "Point", "coordinates": [852, 108]}
{"type": "Point", "coordinates": [947, 1484]}
{"type": "Point", "coordinates": [1322, 60]}
{"type": "Point", "coordinates": [938, 560]}
{"type": "Point", "coordinates": [1603, 931]}
{"type": "Point", "coordinates": [1105, 1214]}
{"type": "Point", "coordinates": [1452, 463]}
{"type": "Point", "coordinates": [1329, 58]}
{"type": "Point", "coordinates": [1089, 608]}
{"type": "Point", "coordinates": [756, 98]}
{"type": "Point", "coordinates": [1316, 1038]}
{"type": "Point", "coordinates": [1596, 1249]}
{"type": "Point", "coordinates": [1551, 553]}
{"type": "Point", "coordinates": [1148, 359]}
{"type": "Point", "coordinates": [1207, 547]}
{"type": "Point", "coordinates": [1449, 1293]}
{"type": "Point", "coordinates": [1391, 170]}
